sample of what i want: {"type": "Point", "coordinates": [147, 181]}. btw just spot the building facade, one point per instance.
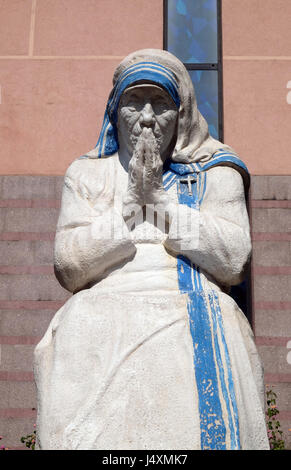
{"type": "Point", "coordinates": [57, 58]}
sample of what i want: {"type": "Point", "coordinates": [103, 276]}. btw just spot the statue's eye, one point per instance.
{"type": "Point", "coordinates": [130, 101]}
{"type": "Point", "coordinates": [134, 104]}
{"type": "Point", "coordinates": [161, 105]}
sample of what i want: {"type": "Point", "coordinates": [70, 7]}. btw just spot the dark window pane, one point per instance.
{"type": "Point", "coordinates": [206, 87]}
{"type": "Point", "coordinates": [192, 30]}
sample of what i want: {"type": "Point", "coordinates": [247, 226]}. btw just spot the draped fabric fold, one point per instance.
{"type": "Point", "coordinates": [218, 410]}
{"type": "Point", "coordinates": [193, 143]}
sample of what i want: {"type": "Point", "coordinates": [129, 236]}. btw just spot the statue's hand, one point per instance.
{"type": "Point", "coordinates": [154, 192]}
{"type": "Point", "coordinates": [145, 176]}
{"type": "Point", "coordinates": [133, 200]}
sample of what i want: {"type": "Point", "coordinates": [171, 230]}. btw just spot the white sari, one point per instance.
{"type": "Point", "coordinates": [151, 352]}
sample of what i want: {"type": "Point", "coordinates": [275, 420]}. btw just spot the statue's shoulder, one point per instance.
{"type": "Point", "coordinates": [85, 166]}
{"type": "Point", "coordinates": [89, 177]}
{"type": "Point", "coordinates": [224, 158]}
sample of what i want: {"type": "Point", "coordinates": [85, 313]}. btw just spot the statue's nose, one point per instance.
{"type": "Point", "coordinates": [147, 115]}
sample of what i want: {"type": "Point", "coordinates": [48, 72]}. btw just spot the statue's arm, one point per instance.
{"type": "Point", "coordinates": [220, 229]}
{"type": "Point", "coordinates": [85, 246]}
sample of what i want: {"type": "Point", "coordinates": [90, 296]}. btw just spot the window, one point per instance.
{"type": "Point", "coordinates": [192, 32]}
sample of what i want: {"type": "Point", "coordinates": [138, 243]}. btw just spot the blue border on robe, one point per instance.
{"type": "Point", "coordinates": [219, 421]}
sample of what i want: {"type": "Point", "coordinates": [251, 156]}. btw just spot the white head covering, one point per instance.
{"type": "Point", "coordinates": [193, 144]}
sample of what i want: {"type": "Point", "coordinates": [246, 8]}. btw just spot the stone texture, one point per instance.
{"type": "Point", "coordinates": [59, 182]}
{"type": "Point", "coordinates": [2, 220]}
{"type": "Point", "coordinates": [26, 253]}
{"type": "Point", "coordinates": [266, 23]}
{"type": "Point", "coordinates": [105, 27]}
{"type": "Point", "coordinates": [268, 323]}
{"type": "Point", "coordinates": [13, 429]}
{"type": "Point", "coordinates": [28, 219]}
{"type": "Point", "coordinates": [43, 252]}
{"type": "Point", "coordinates": [271, 187]}
{"type": "Point", "coordinates": [30, 187]}
{"type": "Point", "coordinates": [274, 359]}
{"type": "Point", "coordinates": [285, 427]}
{"type": "Point", "coordinates": [17, 357]}
{"type": "Point", "coordinates": [24, 322]}
{"type": "Point", "coordinates": [271, 253]}
{"type": "Point", "coordinates": [272, 288]}
{"type": "Point", "coordinates": [15, 26]}
{"type": "Point", "coordinates": [271, 220]}
{"type": "Point", "coordinates": [17, 253]}
{"type": "Point", "coordinates": [31, 287]}
{"type": "Point", "coordinates": [17, 395]}
{"type": "Point", "coordinates": [283, 391]}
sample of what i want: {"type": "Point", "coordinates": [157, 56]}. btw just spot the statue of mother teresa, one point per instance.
{"type": "Point", "coordinates": [151, 352]}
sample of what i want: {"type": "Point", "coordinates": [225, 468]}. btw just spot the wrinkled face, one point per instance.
{"type": "Point", "coordinates": [147, 105]}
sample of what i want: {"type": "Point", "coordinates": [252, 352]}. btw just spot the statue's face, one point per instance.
{"type": "Point", "coordinates": [147, 105]}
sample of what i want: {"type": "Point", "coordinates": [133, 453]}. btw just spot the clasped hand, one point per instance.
{"type": "Point", "coordinates": [145, 172]}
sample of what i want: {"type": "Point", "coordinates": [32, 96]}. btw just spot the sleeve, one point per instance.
{"type": "Point", "coordinates": [216, 237]}
{"type": "Point", "coordinates": [92, 237]}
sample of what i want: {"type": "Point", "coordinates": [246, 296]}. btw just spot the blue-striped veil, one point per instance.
{"type": "Point", "coordinates": [193, 144]}
{"type": "Point", "coordinates": [143, 71]}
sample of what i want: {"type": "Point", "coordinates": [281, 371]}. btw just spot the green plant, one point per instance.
{"type": "Point", "coordinates": [275, 434]}
{"type": "Point", "coordinates": [29, 440]}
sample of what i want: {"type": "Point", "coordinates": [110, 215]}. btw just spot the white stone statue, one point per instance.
{"type": "Point", "coordinates": [151, 352]}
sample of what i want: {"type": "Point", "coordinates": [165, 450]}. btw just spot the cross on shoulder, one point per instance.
{"type": "Point", "coordinates": [189, 180]}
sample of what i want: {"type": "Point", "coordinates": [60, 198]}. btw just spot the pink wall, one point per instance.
{"type": "Point", "coordinates": [57, 59]}
{"type": "Point", "coordinates": [256, 70]}
{"type": "Point", "coordinates": [56, 63]}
